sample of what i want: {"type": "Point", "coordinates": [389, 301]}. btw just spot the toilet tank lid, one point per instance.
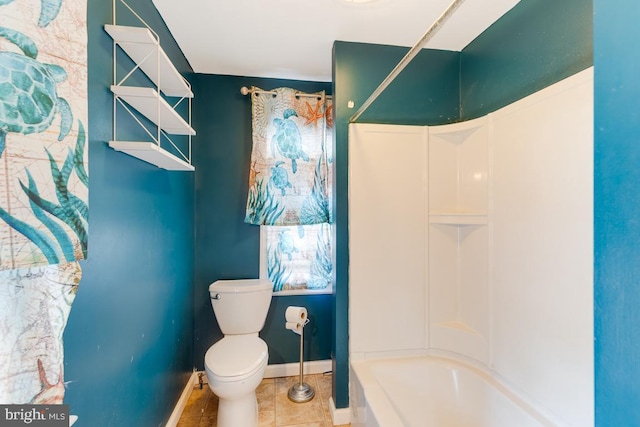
{"type": "Point", "coordinates": [240, 285]}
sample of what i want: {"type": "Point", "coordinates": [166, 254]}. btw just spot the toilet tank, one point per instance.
{"type": "Point", "coordinates": [241, 306]}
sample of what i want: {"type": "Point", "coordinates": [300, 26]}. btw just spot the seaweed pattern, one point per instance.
{"type": "Point", "coordinates": [320, 274]}
{"type": "Point", "coordinates": [262, 206]}
{"type": "Point", "coordinates": [70, 209]}
{"type": "Point", "coordinates": [315, 208]}
{"type": "Point", "coordinates": [276, 270]}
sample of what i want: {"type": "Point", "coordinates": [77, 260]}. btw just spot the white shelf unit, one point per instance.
{"type": "Point", "coordinates": [142, 45]}
{"type": "Point", "coordinates": [458, 238]}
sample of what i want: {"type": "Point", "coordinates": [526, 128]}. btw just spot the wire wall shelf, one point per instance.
{"type": "Point", "coordinates": [142, 45]}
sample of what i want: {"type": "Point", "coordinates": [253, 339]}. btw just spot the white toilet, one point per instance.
{"type": "Point", "coordinates": [235, 365]}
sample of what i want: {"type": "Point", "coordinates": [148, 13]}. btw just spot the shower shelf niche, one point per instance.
{"type": "Point", "coordinates": [458, 238]}
{"type": "Point", "coordinates": [142, 45]}
{"type": "Point", "coordinates": [458, 218]}
{"type": "Point", "coordinates": [457, 132]}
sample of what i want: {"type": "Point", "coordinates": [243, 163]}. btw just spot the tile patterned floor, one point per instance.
{"type": "Point", "coordinates": [274, 407]}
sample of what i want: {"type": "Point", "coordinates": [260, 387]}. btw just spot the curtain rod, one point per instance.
{"type": "Point", "coordinates": [408, 57]}
{"type": "Point", "coordinates": [246, 91]}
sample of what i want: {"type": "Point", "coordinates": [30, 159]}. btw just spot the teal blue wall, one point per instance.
{"type": "Point", "coordinates": [426, 91]}
{"type": "Point", "coordinates": [226, 247]}
{"type": "Point", "coordinates": [129, 339]}
{"type": "Point", "coordinates": [534, 45]}
{"type": "Point", "coordinates": [617, 212]}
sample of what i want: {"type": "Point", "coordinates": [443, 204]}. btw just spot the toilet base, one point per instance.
{"type": "Point", "coordinates": [241, 412]}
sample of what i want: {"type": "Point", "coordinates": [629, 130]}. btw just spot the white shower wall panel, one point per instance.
{"type": "Point", "coordinates": [387, 229]}
{"type": "Point", "coordinates": [542, 231]}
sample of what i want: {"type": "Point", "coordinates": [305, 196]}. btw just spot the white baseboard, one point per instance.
{"type": "Point", "coordinates": [287, 369]}
{"type": "Point", "coordinates": [339, 416]}
{"type": "Point", "coordinates": [292, 369]}
{"type": "Point", "coordinates": [182, 402]}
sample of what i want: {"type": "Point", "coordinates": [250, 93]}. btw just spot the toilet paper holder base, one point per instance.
{"type": "Point", "coordinates": [301, 392]}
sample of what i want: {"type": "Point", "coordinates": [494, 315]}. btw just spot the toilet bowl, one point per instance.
{"type": "Point", "coordinates": [235, 365]}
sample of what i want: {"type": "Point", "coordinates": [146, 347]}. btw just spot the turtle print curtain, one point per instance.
{"type": "Point", "coordinates": [288, 180]}
{"type": "Point", "coordinates": [290, 187]}
{"type": "Point", "coordinates": [44, 193]}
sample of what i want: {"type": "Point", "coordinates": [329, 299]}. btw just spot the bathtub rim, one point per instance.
{"type": "Point", "coordinates": [385, 413]}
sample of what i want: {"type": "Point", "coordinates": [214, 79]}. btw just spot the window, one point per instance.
{"type": "Point", "coordinates": [297, 259]}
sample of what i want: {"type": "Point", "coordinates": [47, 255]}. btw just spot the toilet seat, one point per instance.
{"type": "Point", "coordinates": [237, 357]}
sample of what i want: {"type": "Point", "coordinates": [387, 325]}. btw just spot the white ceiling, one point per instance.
{"type": "Point", "coordinates": [292, 39]}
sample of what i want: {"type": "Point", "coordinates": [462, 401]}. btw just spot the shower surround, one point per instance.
{"type": "Point", "coordinates": [483, 249]}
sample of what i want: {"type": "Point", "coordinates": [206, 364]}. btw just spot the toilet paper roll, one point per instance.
{"type": "Point", "coordinates": [295, 327]}
{"type": "Point", "coordinates": [296, 314]}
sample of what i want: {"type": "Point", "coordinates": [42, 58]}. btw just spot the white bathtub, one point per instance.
{"type": "Point", "coordinates": [433, 392]}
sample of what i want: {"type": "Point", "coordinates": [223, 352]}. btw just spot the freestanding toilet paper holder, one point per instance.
{"type": "Point", "coordinates": [301, 392]}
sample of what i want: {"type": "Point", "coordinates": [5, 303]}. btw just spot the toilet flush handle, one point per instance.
{"type": "Point", "coordinates": [216, 296]}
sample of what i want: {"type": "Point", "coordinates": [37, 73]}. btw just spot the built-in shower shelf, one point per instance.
{"type": "Point", "coordinates": [144, 49]}
{"type": "Point", "coordinates": [153, 154]}
{"type": "Point", "coordinates": [458, 218]}
{"type": "Point", "coordinates": [458, 326]}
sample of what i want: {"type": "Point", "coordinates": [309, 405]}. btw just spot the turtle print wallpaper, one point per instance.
{"type": "Point", "coordinates": [44, 189]}
{"type": "Point", "coordinates": [289, 186]}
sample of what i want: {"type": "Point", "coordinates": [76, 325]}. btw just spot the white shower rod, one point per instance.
{"type": "Point", "coordinates": [246, 91]}
{"type": "Point", "coordinates": [428, 35]}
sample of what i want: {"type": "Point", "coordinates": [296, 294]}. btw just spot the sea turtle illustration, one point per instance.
{"type": "Point", "coordinates": [280, 177]}
{"type": "Point", "coordinates": [288, 139]}
{"type": "Point", "coordinates": [286, 245]}
{"type": "Point", "coordinates": [49, 10]}
{"type": "Point", "coordinates": [28, 97]}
